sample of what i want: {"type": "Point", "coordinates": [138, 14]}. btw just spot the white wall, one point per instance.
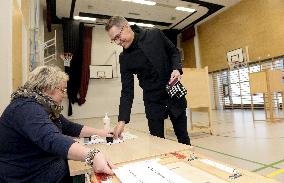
{"type": "Point", "coordinates": [104, 94]}
{"type": "Point", "coordinates": [197, 48]}
{"type": "Point", "coordinates": [24, 53]}
{"type": "Point", "coordinates": [59, 43]}
{"type": "Point", "coordinates": [103, 51]}
{"type": "Point", "coordinates": [5, 53]}
{"type": "Point", "coordinates": [19, 3]}
{"type": "Point", "coordinates": [211, 90]}
{"type": "Point", "coordinates": [41, 31]}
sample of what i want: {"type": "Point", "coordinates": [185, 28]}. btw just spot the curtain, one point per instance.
{"type": "Point", "coordinates": [51, 17]}
{"type": "Point", "coordinates": [86, 61]}
{"type": "Point", "coordinates": [72, 39]}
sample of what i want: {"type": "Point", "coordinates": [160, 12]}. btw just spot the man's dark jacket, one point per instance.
{"type": "Point", "coordinates": [165, 58]}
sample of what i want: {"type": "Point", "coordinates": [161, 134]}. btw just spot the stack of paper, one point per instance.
{"type": "Point", "coordinates": [98, 140]}
{"type": "Point", "coordinates": [147, 172]}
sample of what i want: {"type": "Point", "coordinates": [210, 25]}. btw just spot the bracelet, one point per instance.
{"type": "Point", "coordinates": [90, 156]}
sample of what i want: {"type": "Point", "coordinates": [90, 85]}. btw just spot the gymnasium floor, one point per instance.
{"type": "Point", "coordinates": [235, 140]}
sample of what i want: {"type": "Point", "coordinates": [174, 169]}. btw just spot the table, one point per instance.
{"type": "Point", "coordinates": [144, 146]}
{"type": "Point", "coordinates": [191, 167]}
{"type": "Point", "coordinates": [172, 154]}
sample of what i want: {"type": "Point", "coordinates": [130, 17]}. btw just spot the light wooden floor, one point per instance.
{"type": "Point", "coordinates": [235, 140]}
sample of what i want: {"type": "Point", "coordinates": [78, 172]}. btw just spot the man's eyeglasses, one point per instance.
{"type": "Point", "coordinates": [116, 38]}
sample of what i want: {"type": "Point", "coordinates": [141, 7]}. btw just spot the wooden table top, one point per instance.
{"type": "Point", "coordinates": [195, 171]}
{"type": "Point", "coordinates": [144, 146]}
{"type": "Point", "coordinates": [172, 154]}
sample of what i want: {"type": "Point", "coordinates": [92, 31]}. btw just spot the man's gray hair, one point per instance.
{"type": "Point", "coordinates": [117, 21]}
{"type": "Point", "coordinates": [46, 77]}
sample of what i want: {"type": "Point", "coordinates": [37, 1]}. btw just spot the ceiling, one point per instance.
{"type": "Point", "coordinates": [163, 15]}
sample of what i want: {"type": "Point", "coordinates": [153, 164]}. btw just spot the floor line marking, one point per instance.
{"type": "Point", "coordinates": [264, 167]}
{"type": "Point", "coordinates": [271, 165]}
{"type": "Point", "coordinates": [273, 174]}
{"type": "Point", "coordinates": [277, 162]}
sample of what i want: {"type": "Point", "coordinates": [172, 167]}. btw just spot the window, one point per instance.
{"type": "Point", "coordinates": [232, 90]}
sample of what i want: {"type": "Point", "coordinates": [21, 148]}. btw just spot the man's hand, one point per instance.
{"type": "Point", "coordinates": [102, 165]}
{"type": "Point", "coordinates": [118, 130]}
{"type": "Point", "coordinates": [175, 75]}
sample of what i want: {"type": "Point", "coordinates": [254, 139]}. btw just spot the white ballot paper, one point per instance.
{"type": "Point", "coordinates": [98, 140]}
{"type": "Point", "coordinates": [148, 171]}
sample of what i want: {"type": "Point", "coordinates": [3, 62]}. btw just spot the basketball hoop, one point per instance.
{"type": "Point", "coordinates": [66, 57]}
{"type": "Point", "coordinates": [236, 59]}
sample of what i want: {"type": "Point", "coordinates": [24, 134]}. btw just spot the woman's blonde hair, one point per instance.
{"type": "Point", "coordinates": [46, 77]}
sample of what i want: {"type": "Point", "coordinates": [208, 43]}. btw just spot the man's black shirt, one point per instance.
{"type": "Point", "coordinates": [137, 63]}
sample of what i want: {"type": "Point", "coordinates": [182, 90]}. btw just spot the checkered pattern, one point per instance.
{"type": "Point", "coordinates": [177, 90]}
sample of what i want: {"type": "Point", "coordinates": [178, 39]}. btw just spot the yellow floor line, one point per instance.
{"type": "Point", "coordinates": [273, 174]}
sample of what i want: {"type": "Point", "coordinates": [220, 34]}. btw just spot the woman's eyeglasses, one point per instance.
{"type": "Point", "coordinates": [63, 90]}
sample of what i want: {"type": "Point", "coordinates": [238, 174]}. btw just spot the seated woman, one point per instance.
{"type": "Point", "coordinates": [34, 136]}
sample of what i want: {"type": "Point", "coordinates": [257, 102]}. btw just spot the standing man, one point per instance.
{"type": "Point", "coordinates": [156, 61]}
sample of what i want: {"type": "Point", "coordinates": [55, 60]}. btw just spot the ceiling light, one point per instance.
{"type": "Point", "coordinates": [191, 10]}
{"type": "Point", "coordinates": [141, 24]}
{"type": "Point", "coordinates": [85, 18]}
{"type": "Point", "coordinates": [141, 2]}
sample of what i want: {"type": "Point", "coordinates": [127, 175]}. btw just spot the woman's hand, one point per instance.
{"type": "Point", "coordinates": [89, 131]}
{"type": "Point", "coordinates": [104, 133]}
{"type": "Point", "coordinates": [102, 165]}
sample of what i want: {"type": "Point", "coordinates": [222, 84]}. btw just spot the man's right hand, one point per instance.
{"type": "Point", "coordinates": [118, 130]}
